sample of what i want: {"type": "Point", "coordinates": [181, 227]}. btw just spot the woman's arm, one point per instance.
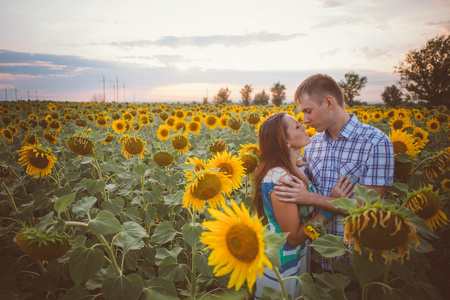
{"type": "Point", "coordinates": [289, 220]}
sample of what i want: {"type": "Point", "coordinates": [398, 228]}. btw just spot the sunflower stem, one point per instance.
{"type": "Point", "coordinates": [281, 281]}
{"type": "Point", "coordinates": [100, 177]}
{"type": "Point", "coordinates": [110, 254]}
{"type": "Point", "coordinates": [13, 203]}
{"type": "Point", "coordinates": [193, 271]}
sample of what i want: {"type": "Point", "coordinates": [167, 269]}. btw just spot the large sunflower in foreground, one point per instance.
{"type": "Point", "coordinates": [404, 143]}
{"type": "Point", "coordinates": [237, 244]}
{"type": "Point", "coordinates": [229, 165]}
{"type": "Point", "coordinates": [427, 205]}
{"type": "Point", "coordinates": [206, 186]}
{"type": "Point", "coordinates": [39, 161]}
{"type": "Point", "coordinates": [133, 146]}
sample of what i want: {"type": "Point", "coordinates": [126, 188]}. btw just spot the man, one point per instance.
{"type": "Point", "coordinates": [343, 146]}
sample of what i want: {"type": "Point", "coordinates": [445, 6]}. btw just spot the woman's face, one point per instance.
{"type": "Point", "coordinates": [296, 134]}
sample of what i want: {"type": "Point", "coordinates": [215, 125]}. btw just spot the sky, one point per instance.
{"type": "Point", "coordinates": [183, 51]}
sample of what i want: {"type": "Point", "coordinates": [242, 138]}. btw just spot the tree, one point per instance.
{"type": "Point", "coordinates": [425, 72]}
{"type": "Point", "coordinates": [246, 94]}
{"type": "Point", "coordinates": [205, 100]}
{"type": "Point", "coordinates": [278, 93]}
{"type": "Point", "coordinates": [261, 98]}
{"type": "Point", "coordinates": [351, 86]}
{"type": "Point", "coordinates": [222, 96]}
{"type": "Point", "coordinates": [392, 96]}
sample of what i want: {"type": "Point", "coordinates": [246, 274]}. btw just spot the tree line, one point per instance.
{"type": "Point", "coordinates": [424, 74]}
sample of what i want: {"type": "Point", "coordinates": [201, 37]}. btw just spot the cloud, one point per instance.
{"type": "Point", "coordinates": [370, 54]}
{"type": "Point", "coordinates": [330, 3]}
{"type": "Point", "coordinates": [204, 41]}
{"type": "Point", "coordinates": [444, 26]}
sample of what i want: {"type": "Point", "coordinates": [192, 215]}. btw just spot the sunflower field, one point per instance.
{"type": "Point", "coordinates": [153, 201]}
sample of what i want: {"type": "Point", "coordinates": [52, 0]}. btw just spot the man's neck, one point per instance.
{"type": "Point", "coordinates": [341, 121]}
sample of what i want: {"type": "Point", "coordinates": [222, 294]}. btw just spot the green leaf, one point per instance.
{"type": "Point", "coordinates": [77, 293]}
{"type": "Point", "coordinates": [131, 237]}
{"type": "Point", "coordinates": [123, 287]}
{"type": "Point", "coordinates": [163, 253]}
{"type": "Point", "coordinates": [83, 206]}
{"type": "Point", "coordinates": [105, 223]}
{"type": "Point", "coordinates": [174, 272]}
{"type": "Point", "coordinates": [345, 204]}
{"type": "Point", "coordinates": [329, 246]}
{"type": "Point", "coordinates": [174, 199]}
{"type": "Point", "coordinates": [401, 186]}
{"type": "Point", "coordinates": [161, 289]}
{"type": "Point", "coordinates": [269, 293]}
{"type": "Point", "coordinates": [83, 263]}
{"type": "Point", "coordinates": [403, 158]}
{"type": "Point", "coordinates": [93, 186]}
{"type": "Point", "coordinates": [201, 263]}
{"type": "Point", "coordinates": [191, 233]}
{"type": "Point", "coordinates": [62, 203]}
{"type": "Point", "coordinates": [140, 169]}
{"type": "Point", "coordinates": [365, 270]}
{"type": "Point", "coordinates": [308, 286]}
{"type": "Point", "coordinates": [332, 284]}
{"type": "Point", "coordinates": [98, 278]}
{"type": "Point", "coordinates": [115, 206]}
{"type": "Point", "coordinates": [163, 233]}
{"type": "Point", "coordinates": [364, 194]}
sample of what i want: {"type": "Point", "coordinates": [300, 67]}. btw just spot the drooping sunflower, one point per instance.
{"type": "Point", "coordinates": [433, 125]}
{"type": "Point", "coordinates": [206, 186]}
{"type": "Point", "coordinates": [24, 126]}
{"type": "Point", "coordinates": [80, 144]}
{"type": "Point", "coordinates": [421, 136]}
{"type": "Point", "coordinates": [54, 124]}
{"type": "Point", "coordinates": [193, 127]}
{"type": "Point", "coordinates": [199, 164]}
{"type": "Point", "coordinates": [39, 161]}
{"type": "Point", "coordinates": [437, 164]}
{"type": "Point", "coordinates": [253, 118]}
{"type": "Point", "coordinates": [311, 231]}
{"type": "Point", "coordinates": [404, 143]}
{"type": "Point", "coordinates": [218, 146]}
{"type": "Point", "coordinates": [253, 148]}
{"type": "Point", "coordinates": [119, 126]}
{"type": "Point", "coordinates": [163, 132]}
{"type": "Point", "coordinates": [109, 138]}
{"type": "Point", "coordinates": [163, 158]}
{"type": "Point", "coordinates": [427, 205]}
{"type": "Point", "coordinates": [249, 162]}
{"type": "Point", "coordinates": [7, 134]}
{"type": "Point", "coordinates": [101, 122]}
{"type": "Point", "coordinates": [133, 146]}
{"type": "Point", "coordinates": [163, 116]}
{"type": "Point", "coordinates": [211, 122]}
{"type": "Point", "coordinates": [230, 166]}
{"type": "Point", "coordinates": [31, 139]}
{"type": "Point", "coordinates": [237, 244]}
{"type": "Point", "coordinates": [81, 123]}
{"type": "Point", "coordinates": [50, 137]}
{"type": "Point", "coordinates": [181, 143]}
{"type": "Point", "coordinates": [235, 124]}
{"type": "Point", "coordinates": [171, 121]}
{"type": "Point", "coordinates": [382, 228]}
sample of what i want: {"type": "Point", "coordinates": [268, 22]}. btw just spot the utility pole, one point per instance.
{"type": "Point", "coordinates": [104, 93]}
{"type": "Point", "coordinates": [6, 94]}
{"type": "Point", "coordinates": [117, 81]}
{"type": "Point", "coordinates": [16, 93]}
{"type": "Point", "coordinates": [28, 94]}
{"type": "Point", "coordinates": [36, 95]}
{"type": "Point", "coordinates": [124, 92]}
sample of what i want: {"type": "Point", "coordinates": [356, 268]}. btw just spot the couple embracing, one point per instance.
{"type": "Point", "coordinates": [344, 152]}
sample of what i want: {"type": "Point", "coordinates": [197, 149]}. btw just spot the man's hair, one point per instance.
{"type": "Point", "coordinates": [318, 87]}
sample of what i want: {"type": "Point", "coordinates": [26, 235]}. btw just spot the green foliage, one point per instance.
{"type": "Point", "coordinates": [351, 86]}
{"type": "Point", "coordinates": [278, 93]}
{"type": "Point", "coordinates": [392, 96]}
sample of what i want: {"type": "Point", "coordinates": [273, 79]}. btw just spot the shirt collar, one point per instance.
{"type": "Point", "coordinates": [348, 129]}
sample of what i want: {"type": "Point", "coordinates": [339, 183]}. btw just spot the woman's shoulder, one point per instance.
{"type": "Point", "coordinates": [275, 174]}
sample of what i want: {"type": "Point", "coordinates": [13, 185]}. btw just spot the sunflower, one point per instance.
{"type": "Point", "coordinates": [218, 146]}
{"type": "Point", "coordinates": [179, 124]}
{"type": "Point", "coordinates": [163, 116]}
{"type": "Point", "coordinates": [421, 136]}
{"type": "Point", "coordinates": [399, 123]}
{"type": "Point", "coordinates": [31, 139]}
{"type": "Point", "coordinates": [54, 124]}
{"type": "Point", "coordinates": [119, 126]}
{"type": "Point", "coordinates": [253, 118]}
{"type": "Point", "coordinates": [445, 184]}
{"type": "Point", "coordinates": [442, 118]}
{"type": "Point", "coordinates": [249, 162]}
{"type": "Point", "coordinates": [127, 117]}
{"type": "Point", "coordinates": [366, 117]}
{"type": "Point", "coordinates": [433, 125]}
{"type": "Point", "coordinates": [39, 161]}
{"type": "Point", "coordinates": [206, 186]}
{"type": "Point", "coordinates": [179, 113]}
{"type": "Point", "coordinates": [101, 122]}
{"type": "Point", "coordinates": [163, 132]}
{"type": "Point", "coordinates": [237, 244]}
{"type": "Point", "coordinates": [181, 143]}
{"type": "Point", "coordinates": [199, 164]}
{"type": "Point", "coordinates": [108, 139]}
{"type": "Point", "coordinates": [197, 118]}
{"type": "Point", "coordinates": [437, 164]}
{"type": "Point", "coordinates": [223, 121]}
{"type": "Point", "coordinates": [379, 227]}
{"type": "Point", "coordinates": [377, 116]}
{"type": "Point", "coordinates": [171, 121]}
{"type": "Point", "coordinates": [80, 144]}
{"type": "Point", "coordinates": [235, 124]}
{"type": "Point", "coordinates": [133, 146]}
{"type": "Point", "coordinates": [211, 121]}
{"type": "Point", "coordinates": [229, 165]}
{"type": "Point", "coordinates": [418, 116]}
{"type": "Point", "coordinates": [6, 120]}
{"type": "Point", "coordinates": [311, 231]}
{"type": "Point", "coordinates": [136, 127]}
{"type": "Point", "coordinates": [24, 126]}
{"type": "Point", "coordinates": [163, 158]}
{"type": "Point", "coordinates": [253, 148]}
{"type": "Point", "coordinates": [13, 129]}
{"type": "Point", "coordinates": [311, 131]}
{"type": "Point", "coordinates": [404, 143]}
{"type": "Point", "coordinates": [81, 123]}
{"type": "Point", "coordinates": [50, 137]}
{"type": "Point", "coordinates": [427, 205]}
{"type": "Point", "coordinates": [7, 134]}
{"type": "Point", "coordinates": [193, 127]}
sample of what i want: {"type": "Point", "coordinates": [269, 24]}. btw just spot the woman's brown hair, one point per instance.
{"type": "Point", "coordinates": [273, 152]}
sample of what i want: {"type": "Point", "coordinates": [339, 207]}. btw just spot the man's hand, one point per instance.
{"type": "Point", "coordinates": [292, 190]}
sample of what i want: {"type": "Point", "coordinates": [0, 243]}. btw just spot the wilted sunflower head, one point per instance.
{"type": "Point", "coordinates": [81, 123]}
{"type": "Point", "coordinates": [249, 162]}
{"type": "Point", "coordinates": [50, 137]}
{"type": "Point", "coordinates": [382, 228]}
{"type": "Point", "coordinates": [31, 139]}
{"type": "Point", "coordinates": [181, 143]}
{"type": "Point", "coordinates": [163, 158]}
{"type": "Point", "coordinates": [436, 164]}
{"type": "Point", "coordinates": [54, 124]}
{"type": "Point", "coordinates": [235, 124]}
{"type": "Point", "coordinates": [427, 205]}
{"type": "Point", "coordinates": [39, 161]}
{"type": "Point", "coordinates": [253, 118]}
{"type": "Point", "coordinates": [24, 126]}
{"type": "Point", "coordinates": [101, 121]}
{"type": "Point", "coordinates": [80, 144]}
{"type": "Point", "coordinates": [133, 146]}
{"type": "Point", "coordinates": [218, 146]}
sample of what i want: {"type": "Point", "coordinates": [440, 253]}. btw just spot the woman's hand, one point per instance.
{"type": "Point", "coordinates": [343, 188]}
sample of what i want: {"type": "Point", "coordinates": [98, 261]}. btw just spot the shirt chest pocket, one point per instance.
{"type": "Point", "coordinates": [355, 170]}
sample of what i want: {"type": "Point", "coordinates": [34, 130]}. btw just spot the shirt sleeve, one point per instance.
{"type": "Point", "coordinates": [380, 164]}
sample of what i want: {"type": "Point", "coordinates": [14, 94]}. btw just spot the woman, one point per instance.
{"type": "Point", "coordinates": [281, 139]}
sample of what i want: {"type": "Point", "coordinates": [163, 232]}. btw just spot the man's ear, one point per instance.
{"type": "Point", "coordinates": [329, 102]}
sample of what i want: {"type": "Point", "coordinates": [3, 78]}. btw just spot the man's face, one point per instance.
{"type": "Point", "coordinates": [317, 116]}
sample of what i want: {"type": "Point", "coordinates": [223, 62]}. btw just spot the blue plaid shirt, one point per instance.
{"type": "Point", "coordinates": [360, 150]}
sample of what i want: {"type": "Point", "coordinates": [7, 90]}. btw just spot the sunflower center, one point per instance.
{"type": "Point", "coordinates": [134, 146]}
{"type": "Point", "coordinates": [38, 160]}
{"type": "Point", "coordinates": [398, 124]}
{"type": "Point", "coordinates": [179, 142]}
{"type": "Point", "coordinates": [208, 187]}
{"type": "Point", "coordinates": [226, 169]}
{"type": "Point", "coordinates": [433, 125]}
{"type": "Point", "coordinates": [419, 135]}
{"type": "Point", "coordinates": [193, 126]}
{"type": "Point", "coordinates": [211, 121]}
{"type": "Point", "coordinates": [242, 242]}
{"type": "Point", "coordinates": [399, 147]}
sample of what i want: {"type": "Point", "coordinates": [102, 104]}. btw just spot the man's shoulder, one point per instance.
{"type": "Point", "coordinates": [368, 132]}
